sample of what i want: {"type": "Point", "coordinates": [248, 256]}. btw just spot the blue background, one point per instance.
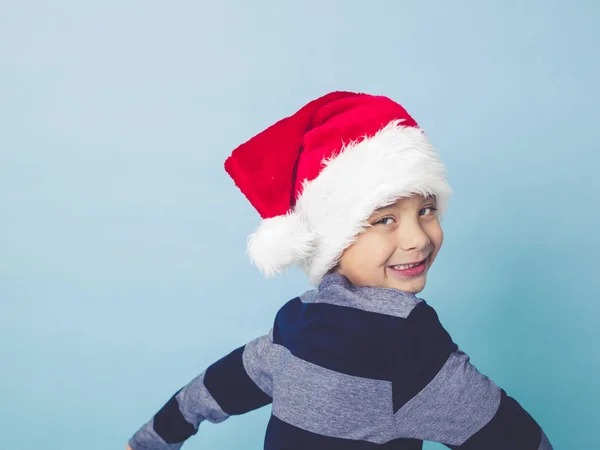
{"type": "Point", "coordinates": [122, 239]}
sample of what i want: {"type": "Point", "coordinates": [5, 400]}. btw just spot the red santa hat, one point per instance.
{"type": "Point", "coordinates": [315, 178]}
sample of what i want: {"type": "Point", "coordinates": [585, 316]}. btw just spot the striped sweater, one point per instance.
{"type": "Point", "coordinates": [353, 368]}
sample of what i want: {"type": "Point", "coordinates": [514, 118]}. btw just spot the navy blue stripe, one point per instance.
{"type": "Point", "coordinates": [283, 436]}
{"type": "Point", "coordinates": [421, 348]}
{"type": "Point", "coordinates": [344, 339]}
{"type": "Point", "coordinates": [229, 384]}
{"type": "Point", "coordinates": [170, 424]}
{"type": "Point", "coordinates": [511, 427]}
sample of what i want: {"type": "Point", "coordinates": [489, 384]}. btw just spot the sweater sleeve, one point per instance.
{"type": "Point", "coordinates": [440, 396]}
{"type": "Point", "coordinates": [237, 383]}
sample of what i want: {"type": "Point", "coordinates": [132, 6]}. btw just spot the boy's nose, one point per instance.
{"type": "Point", "coordinates": [411, 237]}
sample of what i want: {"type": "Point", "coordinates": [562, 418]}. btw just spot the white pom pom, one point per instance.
{"type": "Point", "coordinates": [280, 242]}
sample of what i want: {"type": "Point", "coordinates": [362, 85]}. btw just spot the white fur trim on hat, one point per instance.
{"type": "Point", "coordinates": [279, 242]}
{"type": "Point", "coordinates": [332, 210]}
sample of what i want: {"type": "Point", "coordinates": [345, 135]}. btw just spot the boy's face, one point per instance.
{"type": "Point", "coordinates": [402, 233]}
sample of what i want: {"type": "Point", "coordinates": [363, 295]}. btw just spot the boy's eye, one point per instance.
{"type": "Point", "coordinates": [383, 221]}
{"type": "Point", "coordinates": [432, 208]}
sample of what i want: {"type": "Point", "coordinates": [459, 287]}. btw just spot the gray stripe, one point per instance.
{"type": "Point", "coordinates": [308, 296]}
{"type": "Point", "coordinates": [456, 404]}
{"type": "Point", "coordinates": [260, 357]}
{"type": "Point", "coordinates": [196, 404]}
{"type": "Point", "coordinates": [386, 301]}
{"type": "Point", "coordinates": [333, 404]}
{"type": "Point", "coordinates": [147, 439]}
{"type": "Point", "coordinates": [545, 443]}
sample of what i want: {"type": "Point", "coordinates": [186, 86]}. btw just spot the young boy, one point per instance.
{"type": "Point", "coordinates": [349, 189]}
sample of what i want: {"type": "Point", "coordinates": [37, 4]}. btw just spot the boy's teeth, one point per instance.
{"type": "Point", "coordinates": [405, 266]}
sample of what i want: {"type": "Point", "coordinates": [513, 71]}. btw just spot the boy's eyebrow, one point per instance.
{"type": "Point", "coordinates": [381, 208]}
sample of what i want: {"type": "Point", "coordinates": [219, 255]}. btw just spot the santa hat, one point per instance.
{"type": "Point", "coordinates": [315, 178]}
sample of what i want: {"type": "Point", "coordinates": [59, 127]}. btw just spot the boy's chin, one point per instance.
{"type": "Point", "coordinates": [412, 285]}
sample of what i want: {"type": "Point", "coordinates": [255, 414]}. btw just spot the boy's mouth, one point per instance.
{"type": "Point", "coordinates": [409, 270]}
{"type": "Point", "coordinates": [408, 266]}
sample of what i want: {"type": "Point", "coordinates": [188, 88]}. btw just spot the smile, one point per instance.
{"type": "Point", "coordinates": [409, 270]}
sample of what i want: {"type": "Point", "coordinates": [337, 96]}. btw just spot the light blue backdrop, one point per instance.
{"type": "Point", "coordinates": [122, 265]}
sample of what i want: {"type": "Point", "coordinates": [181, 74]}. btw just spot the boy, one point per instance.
{"type": "Point", "coordinates": [349, 189]}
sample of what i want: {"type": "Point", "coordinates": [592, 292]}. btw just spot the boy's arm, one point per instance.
{"type": "Point", "coordinates": [238, 383]}
{"type": "Point", "coordinates": [440, 396]}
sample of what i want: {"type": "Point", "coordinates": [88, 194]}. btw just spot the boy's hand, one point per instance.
{"type": "Point", "coordinates": [128, 447]}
